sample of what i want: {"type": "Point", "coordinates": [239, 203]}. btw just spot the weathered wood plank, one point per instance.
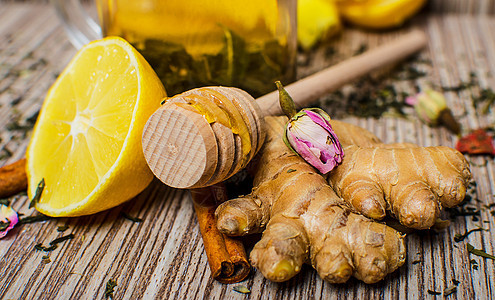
{"type": "Point", "coordinates": [163, 256]}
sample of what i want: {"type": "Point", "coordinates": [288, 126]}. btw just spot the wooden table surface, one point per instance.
{"type": "Point", "coordinates": [163, 256]}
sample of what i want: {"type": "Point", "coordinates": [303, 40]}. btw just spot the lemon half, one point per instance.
{"type": "Point", "coordinates": [86, 144]}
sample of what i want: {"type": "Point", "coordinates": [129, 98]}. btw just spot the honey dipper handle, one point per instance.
{"type": "Point", "coordinates": [309, 89]}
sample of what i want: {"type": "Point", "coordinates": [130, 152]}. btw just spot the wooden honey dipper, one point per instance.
{"type": "Point", "coordinates": [203, 136]}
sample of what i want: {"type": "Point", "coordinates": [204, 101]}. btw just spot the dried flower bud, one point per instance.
{"type": "Point", "coordinates": [310, 135]}
{"type": "Point", "coordinates": [8, 219]}
{"type": "Point", "coordinates": [432, 109]}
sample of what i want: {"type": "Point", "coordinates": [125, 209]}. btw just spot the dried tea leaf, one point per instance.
{"type": "Point", "coordinates": [34, 219]}
{"type": "Point", "coordinates": [450, 290]}
{"type": "Point", "coordinates": [133, 219]}
{"type": "Point", "coordinates": [40, 247]}
{"type": "Point", "coordinates": [109, 289]}
{"type": "Point", "coordinates": [4, 225]}
{"type": "Point", "coordinates": [62, 228]}
{"type": "Point", "coordinates": [460, 237]}
{"type": "Point", "coordinates": [37, 194]}
{"type": "Point", "coordinates": [253, 69]}
{"type": "Point", "coordinates": [54, 243]}
{"type": "Point", "coordinates": [479, 252]}
{"type": "Point", "coordinates": [474, 264]}
{"type": "Point", "coordinates": [434, 292]}
{"type": "Point", "coordinates": [62, 239]}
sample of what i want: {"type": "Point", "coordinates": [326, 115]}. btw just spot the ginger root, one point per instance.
{"type": "Point", "coordinates": [411, 182]}
{"type": "Point", "coordinates": [306, 222]}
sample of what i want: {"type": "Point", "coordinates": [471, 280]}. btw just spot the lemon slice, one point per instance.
{"type": "Point", "coordinates": [86, 144]}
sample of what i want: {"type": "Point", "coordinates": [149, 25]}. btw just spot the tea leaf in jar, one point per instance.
{"type": "Point", "coordinates": [170, 61]}
{"type": "Point", "coordinates": [253, 68]}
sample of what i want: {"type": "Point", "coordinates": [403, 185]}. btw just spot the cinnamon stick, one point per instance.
{"type": "Point", "coordinates": [13, 178]}
{"type": "Point", "coordinates": [227, 257]}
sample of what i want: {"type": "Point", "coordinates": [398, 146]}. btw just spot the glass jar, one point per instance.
{"type": "Point", "coordinates": [248, 44]}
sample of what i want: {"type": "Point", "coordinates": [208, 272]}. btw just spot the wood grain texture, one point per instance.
{"type": "Point", "coordinates": [184, 157]}
{"type": "Point", "coordinates": [162, 257]}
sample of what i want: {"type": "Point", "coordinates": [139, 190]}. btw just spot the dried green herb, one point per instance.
{"type": "Point", "coordinates": [241, 289]}
{"type": "Point", "coordinates": [362, 48]}
{"type": "Point", "coordinates": [37, 194]}
{"type": "Point", "coordinates": [62, 239]}
{"type": "Point", "coordinates": [34, 219]}
{"type": "Point", "coordinates": [15, 125]}
{"type": "Point", "coordinates": [133, 219]}
{"type": "Point", "coordinates": [460, 237]}
{"type": "Point", "coordinates": [473, 81]}
{"type": "Point", "coordinates": [291, 170]}
{"type": "Point", "coordinates": [54, 243]}
{"type": "Point", "coordinates": [6, 153]}
{"type": "Point", "coordinates": [4, 225]}
{"type": "Point", "coordinates": [62, 228]}
{"type": "Point", "coordinates": [462, 211]}
{"type": "Point", "coordinates": [32, 119]}
{"type": "Point", "coordinates": [40, 247]}
{"type": "Point", "coordinates": [485, 98]}
{"type": "Point", "coordinates": [46, 259]}
{"type": "Point", "coordinates": [109, 289]}
{"type": "Point", "coordinates": [479, 252]}
{"type": "Point", "coordinates": [375, 95]}
{"type": "Point", "coordinates": [474, 264]}
{"type": "Point", "coordinates": [16, 100]}
{"type": "Point", "coordinates": [490, 205]}
{"type": "Point", "coordinates": [450, 290]}
{"type": "Point", "coordinates": [416, 261]}
{"type": "Point", "coordinates": [435, 293]}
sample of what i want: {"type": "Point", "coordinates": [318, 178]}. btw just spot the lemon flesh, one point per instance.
{"type": "Point", "coordinates": [86, 144]}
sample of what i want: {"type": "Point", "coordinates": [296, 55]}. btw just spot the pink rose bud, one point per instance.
{"type": "Point", "coordinates": [8, 219]}
{"type": "Point", "coordinates": [310, 135]}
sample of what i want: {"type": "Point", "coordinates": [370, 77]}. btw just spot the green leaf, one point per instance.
{"type": "Point", "coordinates": [479, 252]}
{"type": "Point", "coordinates": [286, 102]}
